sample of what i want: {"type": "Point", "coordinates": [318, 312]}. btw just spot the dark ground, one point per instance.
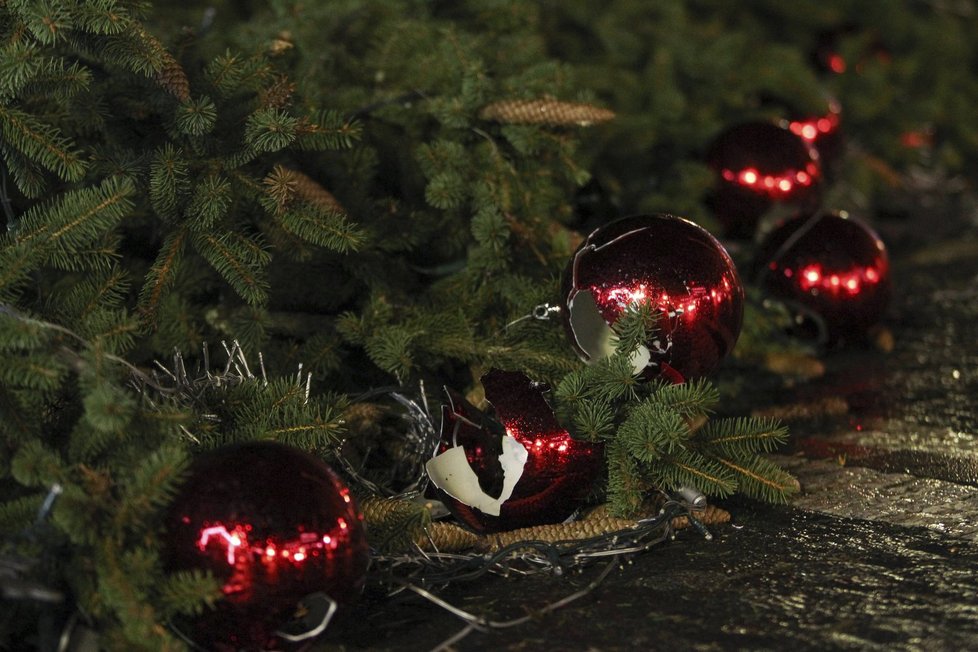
{"type": "Point", "coordinates": [879, 550]}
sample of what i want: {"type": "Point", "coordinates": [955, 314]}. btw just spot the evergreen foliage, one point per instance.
{"type": "Point", "coordinates": [382, 190]}
{"type": "Point", "coordinates": [661, 436]}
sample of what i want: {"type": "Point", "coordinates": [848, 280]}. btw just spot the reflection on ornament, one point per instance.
{"type": "Point", "coordinates": [772, 185]}
{"type": "Point", "coordinates": [823, 132]}
{"type": "Point", "coordinates": [236, 547]}
{"type": "Point", "coordinates": [917, 139]}
{"type": "Point", "coordinates": [836, 63]}
{"type": "Point", "coordinates": [759, 164]}
{"type": "Point", "coordinates": [675, 265]}
{"type": "Point", "coordinates": [274, 525]}
{"type": "Point", "coordinates": [813, 129]}
{"type": "Point", "coordinates": [831, 264]}
{"type": "Point", "coordinates": [521, 468]}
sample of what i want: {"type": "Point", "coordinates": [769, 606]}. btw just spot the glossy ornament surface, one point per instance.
{"type": "Point", "coordinates": [671, 262]}
{"type": "Point", "coordinates": [513, 466]}
{"type": "Point", "coordinates": [758, 165]}
{"type": "Point", "coordinates": [275, 525]}
{"type": "Point", "coordinates": [830, 264]}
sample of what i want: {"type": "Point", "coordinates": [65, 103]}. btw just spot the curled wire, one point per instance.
{"type": "Point", "coordinates": [420, 571]}
{"type": "Point", "coordinates": [419, 437]}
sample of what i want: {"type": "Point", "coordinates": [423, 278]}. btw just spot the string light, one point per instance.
{"type": "Point", "coordinates": [237, 549]}
{"type": "Point", "coordinates": [776, 186]}
{"type": "Point", "coordinates": [812, 278]}
{"type": "Point", "coordinates": [815, 128]}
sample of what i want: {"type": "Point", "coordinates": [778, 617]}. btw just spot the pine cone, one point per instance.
{"type": "Point", "coordinates": [585, 529]}
{"type": "Point", "coordinates": [447, 537]}
{"type": "Point", "coordinates": [711, 515]}
{"type": "Point", "coordinates": [823, 407]}
{"type": "Point", "coordinates": [381, 510]}
{"type": "Point", "coordinates": [281, 43]}
{"type": "Point", "coordinates": [173, 78]}
{"type": "Point", "coordinates": [312, 192]}
{"type": "Point", "coordinates": [794, 364]}
{"type": "Point", "coordinates": [279, 94]}
{"type": "Point", "coordinates": [363, 417]}
{"type": "Point", "coordinates": [546, 111]}
{"type": "Point", "coordinates": [284, 184]}
{"type": "Point", "coordinates": [591, 526]}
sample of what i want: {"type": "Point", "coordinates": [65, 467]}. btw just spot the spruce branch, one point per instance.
{"type": "Point", "coordinates": [77, 217]}
{"type": "Point", "coordinates": [102, 17]}
{"type": "Point", "coordinates": [196, 116]}
{"type": "Point", "coordinates": [99, 290]}
{"type": "Point", "coordinates": [168, 180]}
{"type": "Point", "coordinates": [743, 434]}
{"type": "Point", "coordinates": [36, 465]}
{"type": "Point", "coordinates": [240, 260]}
{"type": "Point", "coordinates": [271, 129]}
{"type": "Point", "coordinates": [687, 468]}
{"type": "Point", "coordinates": [188, 593]}
{"type": "Point", "coordinates": [653, 430]}
{"type": "Point", "coordinates": [659, 435]}
{"type": "Point", "coordinates": [162, 274]}
{"type": "Point", "coordinates": [24, 70]}
{"type": "Point", "coordinates": [152, 485]}
{"type": "Point", "coordinates": [48, 22]}
{"type": "Point", "coordinates": [41, 143]}
{"type": "Point", "coordinates": [209, 202]}
{"type": "Point", "coordinates": [29, 177]}
{"type": "Point", "coordinates": [760, 478]}
{"type": "Point", "coordinates": [690, 399]}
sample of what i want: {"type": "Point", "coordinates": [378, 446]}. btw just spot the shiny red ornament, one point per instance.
{"type": "Point", "coordinates": [513, 466]}
{"type": "Point", "coordinates": [671, 262]}
{"type": "Point", "coordinates": [274, 525]}
{"type": "Point", "coordinates": [831, 264]}
{"type": "Point", "coordinates": [758, 165]}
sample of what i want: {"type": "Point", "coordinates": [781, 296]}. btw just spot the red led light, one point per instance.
{"type": "Point", "coordinates": [837, 64]}
{"type": "Point", "coordinates": [915, 139]}
{"type": "Point", "coordinates": [776, 186]}
{"type": "Point", "coordinates": [811, 130]}
{"type": "Point", "coordinates": [813, 279]}
{"type": "Point", "coordinates": [235, 541]}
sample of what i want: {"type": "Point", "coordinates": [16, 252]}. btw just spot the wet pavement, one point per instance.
{"type": "Point", "coordinates": [879, 551]}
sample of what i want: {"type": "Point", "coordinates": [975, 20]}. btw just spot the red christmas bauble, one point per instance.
{"type": "Point", "coordinates": [675, 264]}
{"type": "Point", "coordinates": [831, 264]}
{"type": "Point", "coordinates": [274, 524]}
{"type": "Point", "coordinates": [514, 466]}
{"type": "Point", "coordinates": [758, 165]}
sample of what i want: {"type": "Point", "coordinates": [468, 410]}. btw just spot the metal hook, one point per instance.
{"type": "Point", "coordinates": [540, 312]}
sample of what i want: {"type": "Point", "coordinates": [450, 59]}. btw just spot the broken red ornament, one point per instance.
{"type": "Point", "coordinates": [513, 466]}
{"type": "Point", "coordinates": [671, 262]}
{"type": "Point", "coordinates": [759, 165]}
{"type": "Point", "coordinates": [831, 264]}
{"type": "Point", "coordinates": [274, 525]}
